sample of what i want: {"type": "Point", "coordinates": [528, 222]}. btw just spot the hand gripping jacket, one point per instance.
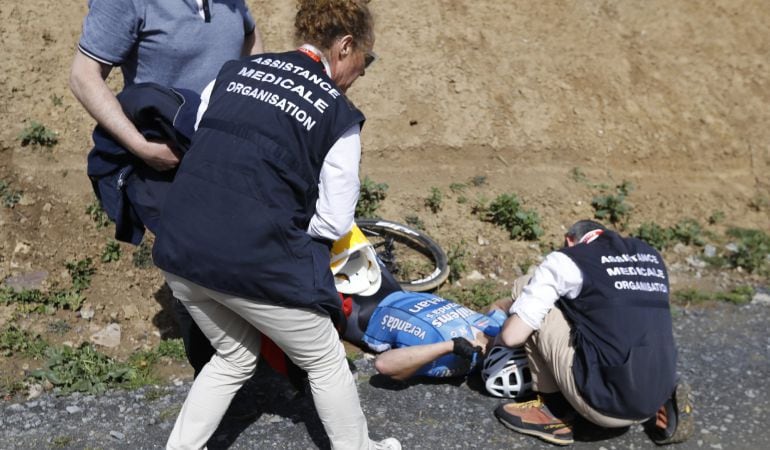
{"type": "Point", "coordinates": [404, 319]}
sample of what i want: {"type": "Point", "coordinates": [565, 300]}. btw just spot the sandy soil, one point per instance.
{"type": "Point", "coordinates": [671, 96]}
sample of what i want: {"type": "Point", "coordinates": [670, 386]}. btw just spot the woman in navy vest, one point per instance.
{"type": "Point", "coordinates": [271, 179]}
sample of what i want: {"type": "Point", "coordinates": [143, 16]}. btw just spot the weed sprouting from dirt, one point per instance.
{"type": "Point", "coordinates": [507, 212]}
{"type": "Point", "coordinates": [16, 341]}
{"type": "Point", "coordinates": [415, 222]}
{"type": "Point", "coordinates": [97, 214]}
{"type": "Point", "coordinates": [37, 134]}
{"type": "Point", "coordinates": [142, 256]}
{"type": "Point", "coordinates": [456, 257]}
{"type": "Point", "coordinates": [81, 272]}
{"type": "Point", "coordinates": [111, 252]}
{"type": "Point", "coordinates": [370, 197]}
{"type": "Point", "coordinates": [612, 207]}
{"type": "Point", "coordinates": [739, 295]}
{"type": "Point", "coordinates": [476, 296]}
{"type": "Point", "coordinates": [9, 197]}
{"type": "Point", "coordinates": [751, 252]}
{"type": "Point", "coordinates": [172, 348]}
{"type": "Point", "coordinates": [435, 200]}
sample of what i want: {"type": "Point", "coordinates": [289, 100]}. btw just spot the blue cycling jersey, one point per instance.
{"type": "Point", "coordinates": [404, 319]}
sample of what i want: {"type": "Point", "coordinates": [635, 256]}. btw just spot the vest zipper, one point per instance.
{"type": "Point", "coordinates": [206, 11]}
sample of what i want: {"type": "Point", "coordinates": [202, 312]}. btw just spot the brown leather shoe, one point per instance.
{"type": "Point", "coordinates": [535, 419]}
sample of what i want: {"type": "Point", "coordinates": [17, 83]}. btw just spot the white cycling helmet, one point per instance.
{"type": "Point", "coordinates": [506, 372]}
{"type": "Point", "coordinates": [354, 265]}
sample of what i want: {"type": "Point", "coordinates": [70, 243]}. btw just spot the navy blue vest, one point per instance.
{"type": "Point", "coordinates": [625, 357]}
{"type": "Point", "coordinates": [236, 216]}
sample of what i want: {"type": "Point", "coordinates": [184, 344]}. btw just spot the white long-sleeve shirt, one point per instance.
{"type": "Point", "coordinates": [338, 185]}
{"type": "Point", "coordinates": [557, 276]}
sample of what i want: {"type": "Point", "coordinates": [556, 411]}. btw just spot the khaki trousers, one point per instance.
{"type": "Point", "coordinates": [233, 326]}
{"type": "Point", "coordinates": [551, 352]}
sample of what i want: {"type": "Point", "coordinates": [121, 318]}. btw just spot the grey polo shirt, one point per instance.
{"type": "Point", "coordinates": [179, 43]}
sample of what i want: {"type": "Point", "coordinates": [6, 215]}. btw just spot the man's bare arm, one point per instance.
{"type": "Point", "coordinates": [87, 83]}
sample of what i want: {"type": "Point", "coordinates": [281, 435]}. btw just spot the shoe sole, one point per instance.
{"type": "Point", "coordinates": [539, 434]}
{"type": "Point", "coordinates": [685, 423]}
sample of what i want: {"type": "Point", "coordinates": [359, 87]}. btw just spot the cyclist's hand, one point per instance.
{"type": "Point", "coordinates": [158, 155]}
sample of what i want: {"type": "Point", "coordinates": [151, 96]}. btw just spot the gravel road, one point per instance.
{"type": "Point", "coordinates": [723, 351]}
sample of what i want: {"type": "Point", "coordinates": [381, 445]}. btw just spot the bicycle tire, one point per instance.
{"type": "Point", "coordinates": [394, 242]}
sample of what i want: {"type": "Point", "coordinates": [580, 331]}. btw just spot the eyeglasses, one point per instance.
{"type": "Point", "coordinates": [369, 58]}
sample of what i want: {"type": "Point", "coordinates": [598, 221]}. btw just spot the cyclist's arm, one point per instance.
{"type": "Point", "coordinates": [402, 363]}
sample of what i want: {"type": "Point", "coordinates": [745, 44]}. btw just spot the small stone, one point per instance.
{"type": "Point", "coordinates": [117, 435]}
{"type": "Point", "coordinates": [475, 276]}
{"type": "Point", "coordinates": [761, 297]}
{"type": "Point", "coordinates": [108, 337]}
{"type": "Point", "coordinates": [481, 240]}
{"type": "Point", "coordinates": [87, 312]}
{"type": "Point", "coordinates": [27, 281]}
{"type": "Point", "coordinates": [26, 200]}
{"type": "Point", "coordinates": [47, 207]}
{"type": "Point", "coordinates": [21, 247]}
{"type": "Point", "coordinates": [732, 247]}
{"type": "Point", "coordinates": [709, 251]}
{"type": "Point", "coordinates": [130, 311]}
{"type": "Point", "coordinates": [696, 262]}
{"type": "Point", "coordinates": [35, 391]}
{"type": "Point", "coordinates": [680, 248]}
{"type": "Point", "coordinates": [73, 409]}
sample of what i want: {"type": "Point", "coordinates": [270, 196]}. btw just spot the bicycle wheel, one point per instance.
{"type": "Point", "coordinates": [414, 259]}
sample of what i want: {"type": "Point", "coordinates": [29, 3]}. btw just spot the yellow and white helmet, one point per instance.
{"type": "Point", "coordinates": [354, 264]}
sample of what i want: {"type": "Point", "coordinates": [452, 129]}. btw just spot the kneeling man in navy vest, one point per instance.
{"type": "Point", "coordinates": [596, 324]}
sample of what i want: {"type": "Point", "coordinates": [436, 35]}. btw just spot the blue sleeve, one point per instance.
{"type": "Point", "coordinates": [110, 30]}
{"type": "Point", "coordinates": [248, 20]}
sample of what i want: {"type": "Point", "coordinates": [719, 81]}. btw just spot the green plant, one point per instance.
{"type": "Point", "coordinates": [415, 221]}
{"type": "Point", "coordinates": [370, 197]}
{"type": "Point", "coordinates": [506, 211]}
{"type": "Point", "coordinates": [613, 207]}
{"type": "Point", "coordinates": [759, 202]}
{"type": "Point", "coordinates": [172, 348]}
{"type": "Point", "coordinates": [739, 295]}
{"type": "Point", "coordinates": [59, 327]}
{"type": "Point", "coordinates": [716, 217]}
{"type": "Point", "coordinates": [13, 341]}
{"type": "Point", "coordinates": [577, 175]}
{"type": "Point", "coordinates": [97, 214]}
{"type": "Point", "coordinates": [9, 197]}
{"type": "Point", "coordinates": [56, 100]}
{"type": "Point", "coordinates": [142, 256]}
{"type": "Point", "coordinates": [752, 251]}
{"type": "Point", "coordinates": [456, 257]}
{"type": "Point", "coordinates": [81, 272]}
{"type": "Point", "coordinates": [691, 296]}
{"type": "Point", "coordinates": [61, 441]}
{"type": "Point", "coordinates": [478, 295]}
{"type": "Point", "coordinates": [654, 234]}
{"type": "Point", "coordinates": [35, 300]}
{"type": "Point", "coordinates": [478, 180]}
{"type": "Point", "coordinates": [688, 232]}
{"type": "Point", "coordinates": [434, 200]}
{"type": "Point", "coordinates": [83, 369]}
{"type": "Point", "coordinates": [37, 134]}
{"type": "Point", "coordinates": [111, 251]}
{"type": "Point", "coordinates": [457, 188]}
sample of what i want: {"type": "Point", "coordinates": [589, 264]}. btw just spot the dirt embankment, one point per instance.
{"type": "Point", "coordinates": [672, 96]}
